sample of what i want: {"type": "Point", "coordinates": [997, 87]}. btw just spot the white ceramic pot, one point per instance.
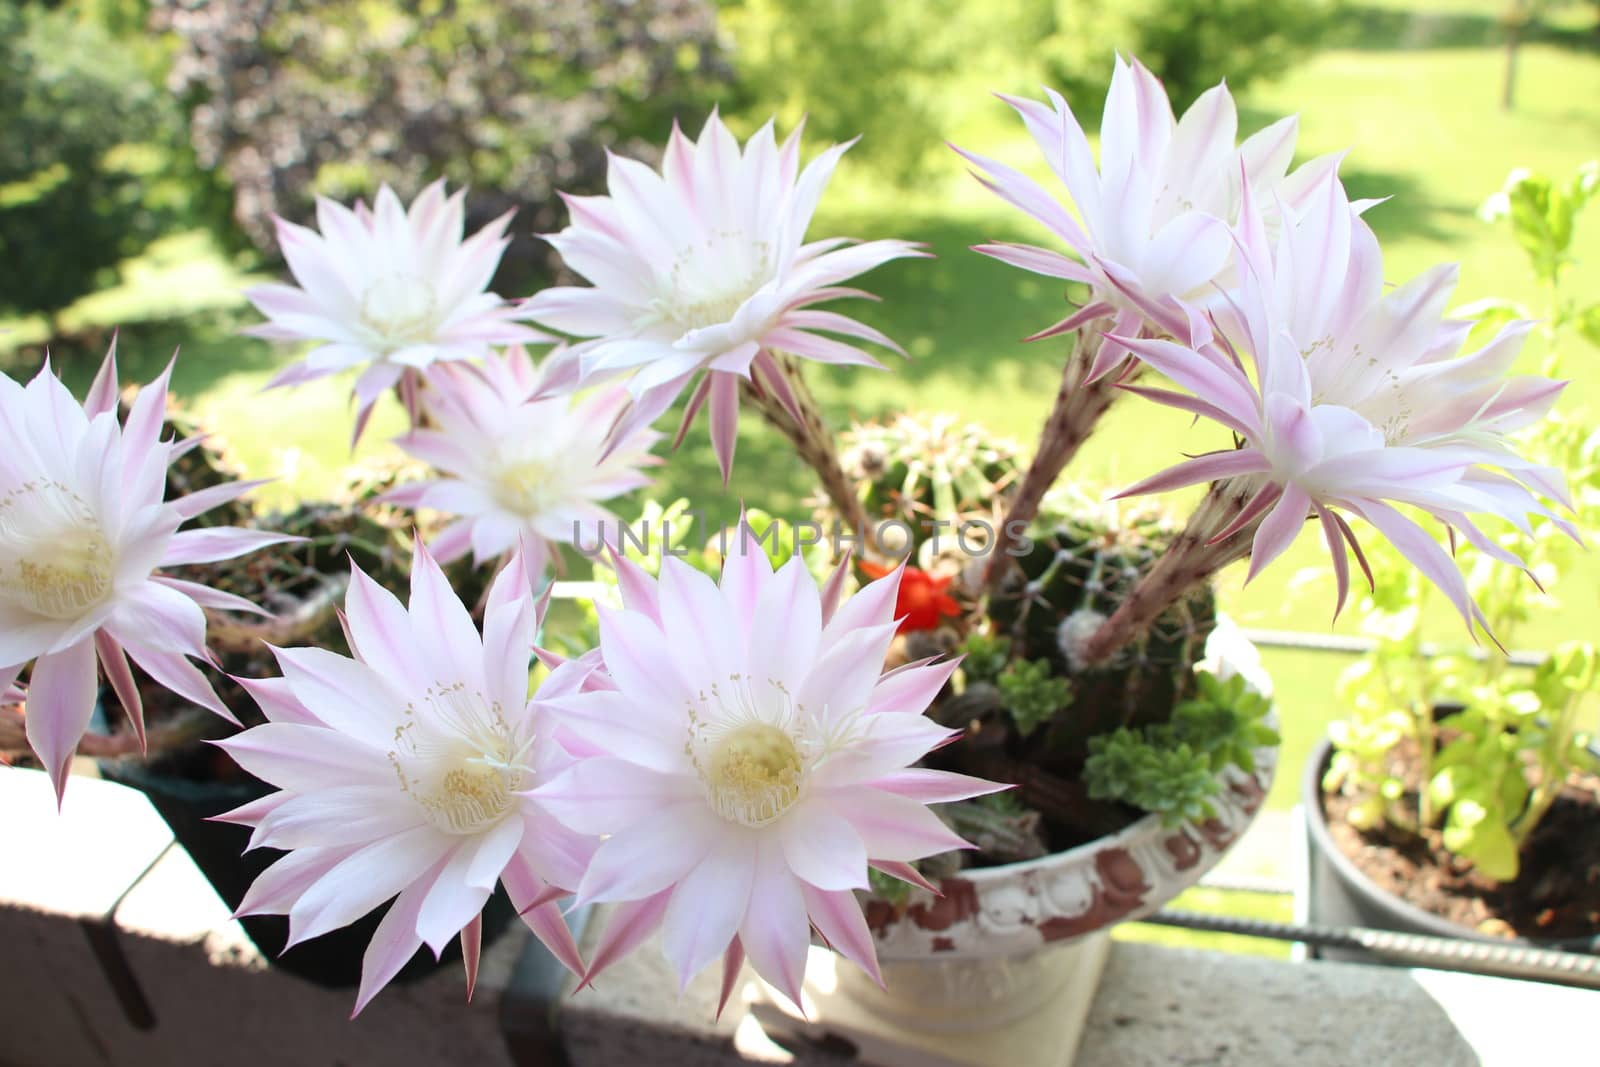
{"type": "Point", "coordinates": [980, 947]}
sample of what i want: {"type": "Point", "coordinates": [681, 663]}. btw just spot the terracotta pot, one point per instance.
{"type": "Point", "coordinates": [993, 938]}
{"type": "Point", "coordinates": [1337, 893]}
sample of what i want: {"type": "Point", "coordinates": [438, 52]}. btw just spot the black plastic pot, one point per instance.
{"type": "Point", "coordinates": [218, 849]}
{"type": "Point", "coordinates": [1339, 894]}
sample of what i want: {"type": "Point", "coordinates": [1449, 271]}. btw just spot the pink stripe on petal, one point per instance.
{"type": "Point", "coordinates": [652, 854]}
{"type": "Point", "coordinates": [471, 951]}
{"type": "Point", "coordinates": [1423, 552]}
{"type": "Point", "coordinates": [1194, 405]}
{"type": "Point", "coordinates": [1037, 261]}
{"type": "Point", "coordinates": [819, 348]}
{"type": "Point", "coordinates": [103, 392]}
{"type": "Point", "coordinates": [707, 907]}
{"type": "Point", "coordinates": [441, 626]}
{"type": "Point", "coordinates": [176, 673]}
{"type": "Point", "coordinates": [208, 597]}
{"type": "Point", "coordinates": [307, 758]}
{"type": "Point", "coordinates": [833, 587]}
{"type": "Point", "coordinates": [1266, 496]}
{"type": "Point", "coordinates": [277, 701]}
{"type": "Point", "coordinates": [895, 828]}
{"type": "Point", "coordinates": [637, 587]}
{"type": "Point", "coordinates": [834, 322]}
{"type": "Point", "coordinates": [724, 420]}
{"type": "Point", "coordinates": [211, 544]}
{"type": "Point", "coordinates": [911, 691]}
{"type": "Point", "coordinates": [696, 400]}
{"type": "Point", "coordinates": [552, 930]}
{"type": "Point", "coordinates": [1208, 468]}
{"type": "Point", "coordinates": [776, 930]}
{"type": "Point", "coordinates": [1077, 320]}
{"type": "Point", "coordinates": [394, 942]}
{"type": "Point", "coordinates": [114, 662]}
{"type": "Point", "coordinates": [1339, 554]}
{"type": "Point", "coordinates": [732, 964]}
{"type": "Point", "coordinates": [935, 787]}
{"type": "Point", "coordinates": [61, 692]}
{"type": "Point", "coordinates": [1279, 529]}
{"type": "Point", "coordinates": [143, 428]}
{"type": "Point", "coordinates": [277, 888]}
{"type": "Point", "coordinates": [628, 925]}
{"type": "Point", "coordinates": [906, 873]}
{"type": "Point", "coordinates": [838, 918]}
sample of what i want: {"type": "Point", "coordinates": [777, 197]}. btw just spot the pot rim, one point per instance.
{"type": "Point", "coordinates": [1145, 825]}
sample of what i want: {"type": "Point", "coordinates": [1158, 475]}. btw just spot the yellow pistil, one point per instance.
{"type": "Point", "coordinates": [469, 798]}
{"type": "Point", "coordinates": [754, 774]}
{"type": "Point", "coordinates": [54, 561]}
{"type": "Point", "coordinates": [400, 309]}
{"type": "Point", "coordinates": [525, 488]}
{"type": "Point", "coordinates": [459, 758]}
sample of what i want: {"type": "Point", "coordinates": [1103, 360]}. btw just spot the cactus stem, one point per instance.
{"type": "Point", "coordinates": [814, 444]}
{"type": "Point", "coordinates": [1191, 559]}
{"type": "Point", "coordinates": [1078, 406]}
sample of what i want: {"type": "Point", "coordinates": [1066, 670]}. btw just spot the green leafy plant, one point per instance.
{"type": "Point", "coordinates": [1174, 781]}
{"type": "Point", "coordinates": [1172, 768]}
{"type": "Point", "coordinates": [1032, 695]}
{"type": "Point", "coordinates": [1224, 721]}
{"type": "Point", "coordinates": [984, 657]}
{"type": "Point", "coordinates": [1543, 214]}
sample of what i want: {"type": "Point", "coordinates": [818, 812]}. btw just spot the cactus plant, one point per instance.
{"type": "Point", "coordinates": [1071, 577]}
{"type": "Point", "coordinates": [1033, 713]}
{"type": "Point", "coordinates": [921, 469]}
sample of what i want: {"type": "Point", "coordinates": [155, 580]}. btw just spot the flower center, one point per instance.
{"type": "Point", "coordinates": [400, 309]}
{"type": "Point", "coordinates": [54, 559]}
{"type": "Point", "coordinates": [754, 774]}
{"type": "Point", "coordinates": [460, 760]}
{"type": "Point", "coordinates": [528, 488]}
{"type": "Point", "coordinates": [710, 281]}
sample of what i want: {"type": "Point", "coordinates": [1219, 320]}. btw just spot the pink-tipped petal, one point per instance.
{"type": "Point", "coordinates": [61, 692]}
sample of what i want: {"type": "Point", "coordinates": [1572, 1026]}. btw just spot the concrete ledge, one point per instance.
{"type": "Point", "coordinates": [118, 953]}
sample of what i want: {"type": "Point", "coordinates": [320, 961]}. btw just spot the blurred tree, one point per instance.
{"type": "Point", "coordinates": [884, 72]}
{"type": "Point", "coordinates": [1189, 44]}
{"type": "Point", "coordinates": [91, 161]}
{"type": "Point", "coordinates": [517, 98]}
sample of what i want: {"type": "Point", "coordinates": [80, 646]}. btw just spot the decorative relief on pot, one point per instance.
{"type": "Point", "coordinates": [992, 912]}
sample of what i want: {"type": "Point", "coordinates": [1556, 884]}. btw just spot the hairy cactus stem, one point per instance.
{"type": "Point", "coordinates": [225, 633]}
{"type": "Point", "coordinates": [1191, 559]}
{"type": "Point", "coordinates": [190, 723]}
{"type": "Point", "coordinates": [1078, 406]}
{"type": "Point", "coordinates": [814, 443]}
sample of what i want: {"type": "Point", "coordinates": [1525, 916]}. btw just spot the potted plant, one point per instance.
{"type": "Point", "coordinates": [1458, 798]}
{"type": "Point", "coordinates": [1134, 757]}
{"type": "Point", "coordinates": [744, 745]}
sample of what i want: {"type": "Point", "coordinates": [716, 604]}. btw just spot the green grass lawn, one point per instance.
{"type": "Point", "coordinates": [1412, 89]}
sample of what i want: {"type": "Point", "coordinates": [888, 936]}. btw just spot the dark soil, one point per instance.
{"type": "Point", "coordinates": [1557, 891]}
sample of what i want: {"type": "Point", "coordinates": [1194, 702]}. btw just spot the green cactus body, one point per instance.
{"type": "Point", "coordinates": [923, 470]}
{"type": "Point", "coordinates": [1073, 575]}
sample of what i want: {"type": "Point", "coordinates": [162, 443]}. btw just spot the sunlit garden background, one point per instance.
{"type": "Point", "coordinates": [144, 145]}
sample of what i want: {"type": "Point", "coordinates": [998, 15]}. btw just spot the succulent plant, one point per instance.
{"type": "Point", "coordinates": [922, 469]}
